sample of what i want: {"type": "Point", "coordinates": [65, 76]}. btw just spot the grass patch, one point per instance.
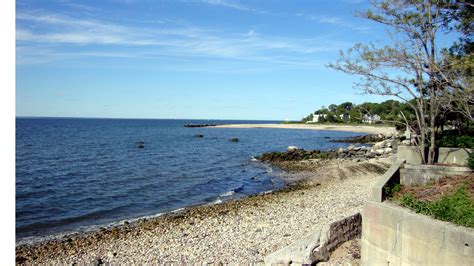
{"type": "Point", "coordinates": [456, 207]}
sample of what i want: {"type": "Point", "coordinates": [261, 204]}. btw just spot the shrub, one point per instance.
{"type": "Point", "coordinates": [454, 141]}
{"type": "Point", "coordinates": [470, 160]}
{"type": "Point", "coordinates": [456, 207]}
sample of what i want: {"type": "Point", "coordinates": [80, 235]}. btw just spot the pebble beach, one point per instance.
{"type": "Point", "coordinates": [237, 231]}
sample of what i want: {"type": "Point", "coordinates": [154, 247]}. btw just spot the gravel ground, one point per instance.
{"type": "Point", "coordinates": [237, 231]}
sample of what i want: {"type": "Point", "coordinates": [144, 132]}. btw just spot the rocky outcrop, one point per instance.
{"type": "Point", "coordinates": [378, 149]}
{"type": "Point", "coordinates": [371, 138]}
{"type": "Point", "coordinates": [140, 144]}
{"type": "Point", "coordinates": [200, 125]}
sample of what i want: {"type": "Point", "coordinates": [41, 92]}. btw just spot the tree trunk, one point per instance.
{"type": "Point", "coordinates": [431, 152]}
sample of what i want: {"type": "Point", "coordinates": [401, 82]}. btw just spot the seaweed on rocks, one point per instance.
{"type": "Point", "coordinates": [301, 154]}
{"type": "Point", "coordinates": [371, 138]}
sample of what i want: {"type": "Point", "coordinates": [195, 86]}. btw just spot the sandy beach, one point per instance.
{"type": "Point", "coordinates": [237, 231]}
{"type": "Point", "coordinates": [347, 128]}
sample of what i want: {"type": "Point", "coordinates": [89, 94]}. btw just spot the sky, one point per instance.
{"type": "Point", "coordinates": [186, 59]}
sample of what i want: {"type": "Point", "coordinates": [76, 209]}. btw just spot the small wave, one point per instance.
{"type": "Point", "coordinates": [217, 201]}
{"type": "Point", "coordinates": [227, 194]}
{"type": "Point", "coordinates": [177, 210]}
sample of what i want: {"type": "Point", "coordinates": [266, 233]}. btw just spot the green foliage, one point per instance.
{"type": "Point", "coordinates": [307, 118]}
{"type": "Point", "coordinates": [391, 190]}
{"type": "Point", "coordinates": [457, 207]}
{"type": "Point", "coordinates": [456, 142]}
{"type": "Point", "coordinates": [389, 111]}
{"type": "Point", "coordinates": [459, 138]}
{"type": "Point", "coordinates": [470, 160]}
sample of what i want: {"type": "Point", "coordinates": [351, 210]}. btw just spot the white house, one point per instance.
{"type": "Point", "coordinates": [316, 117]}
{"type": "Point", "coordinates": [370, 119]}
{"type": "Point", "coordinates": [345, 117]}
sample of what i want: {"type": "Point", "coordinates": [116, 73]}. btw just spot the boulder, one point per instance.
{"type": "Point", "coordinates": [234, 140]}
{"type": "Point", "coordinates": [370, 155]}
{"type": "Point", "coordinates": [379, 151]}
{"type": "Point", "coordinates": [379, 145]}
{"type": "Point", "coordinates": [292, 148]}
{"type": "Point", "coordinates": [140, 144]}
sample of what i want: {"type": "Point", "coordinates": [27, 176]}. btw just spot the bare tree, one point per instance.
{"type": "Point", "coordinates": [411, 68]}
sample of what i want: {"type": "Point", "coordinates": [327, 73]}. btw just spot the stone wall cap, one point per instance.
{"type": "Point", "coordinates": [437, 167]}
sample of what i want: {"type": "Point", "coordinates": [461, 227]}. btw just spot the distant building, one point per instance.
{"type": "Point", "coordinates": [371, 119]}
{"type": "Point", "coordinates": [345, 117]}
{"type": "Point", "coordinates": [317, 117]}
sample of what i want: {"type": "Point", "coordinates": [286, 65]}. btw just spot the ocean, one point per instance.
{"type": "Point", "coordinates": [75, 174]}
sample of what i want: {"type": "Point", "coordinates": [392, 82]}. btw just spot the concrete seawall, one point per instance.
{"type": "Point", "coordinates": [457, 156]}
{"type": "Point", "coordinates": [393, 235]}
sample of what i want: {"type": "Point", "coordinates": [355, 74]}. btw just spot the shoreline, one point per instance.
{"type": "Point", "coordinates": [386, 130]}
{"type": "Point", "coordinates": [276, 173]}
{"type": "Point", "coordinates": [238, 230]}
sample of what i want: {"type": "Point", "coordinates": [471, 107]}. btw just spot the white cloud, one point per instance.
{"type": "Point", "coordinates": [229, 4]}
{"type": "Point", "coordinates": [337, 21]}
{"type": "Point", "coordinates": [64, 33]}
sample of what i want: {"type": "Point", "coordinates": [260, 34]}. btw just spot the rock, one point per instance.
{"type": "Point", "coordinates": [406, 142]}
{"type": "Point", "coordinates": [340, 150]}
{"type": "Point", "coordinates": [200, 125]}
{"type": "Point", "coordinates": [111, 254]}
{"type": "Point", "coordinates": [379, 145]}
{"type": "Point", "coordinates": [141, 146]}
{"type": "Point", "coordinates": [362, 139]}
{"type": "Point", "coordinates": [234, 140]}
{"type": "Point", "coordinates": [370, 155]}
{"type": "Point", "coordinates": [199, 136]}
{"type": "Point", "coordinates": [292, 148]}
{"type": "Point", "coordinates": [379, 151]}
{"type": "Point", "coordinates": [388, 150]}
{"type": "Point", "coordinates": [351, 147]}
{"type": "Point", "coordinates": [97, 261]}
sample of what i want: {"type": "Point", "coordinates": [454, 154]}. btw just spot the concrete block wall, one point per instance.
{"type": "Point", "coordinates": [412, 174]}
{"type": "Point", "coordinates": [392, 235]}
{"type": "Point", "coordinates": [457, 156]}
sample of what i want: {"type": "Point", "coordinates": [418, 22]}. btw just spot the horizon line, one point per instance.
{"type": "Point", "coordinates": [135, 118]}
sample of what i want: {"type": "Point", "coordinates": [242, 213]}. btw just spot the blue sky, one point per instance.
{"type": "Point", "coordinates": [200, 59]}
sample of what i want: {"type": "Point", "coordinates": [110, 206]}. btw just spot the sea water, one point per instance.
{"type": "Point", "coordinates": [76, 173]}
